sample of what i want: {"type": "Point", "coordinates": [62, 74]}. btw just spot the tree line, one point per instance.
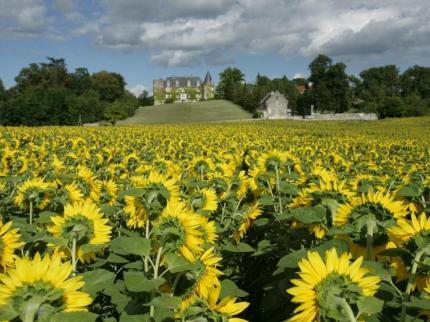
{"type": "Point", "coordinates": [382, 90]}
{"type": "Point", "coordinates": [48, 94]}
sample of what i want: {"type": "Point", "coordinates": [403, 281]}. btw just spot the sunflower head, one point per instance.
{"type": "Point", "coordinates": [42, 287]}
{"type": "Point", "coordinates": [179, 230]}
{"type": "Point", "coordinates": [35, 192]}
{"type": "Point", "coordinates": [413, 233]}
{"type": "Point", "coordinates": [204, 200]}
{"type": "Point", "coordinates": [325, 282]}
{"type": "Point", "coordinates": [9, 242]}
{"type": "Point", "coordinates": [83, 223]}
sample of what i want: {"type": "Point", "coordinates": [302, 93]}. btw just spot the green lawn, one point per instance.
{"type": "Point", "coordinates": [216, 110]}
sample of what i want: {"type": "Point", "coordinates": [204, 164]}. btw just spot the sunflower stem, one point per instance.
{"type": "Point", "coordinates": [74, 261]}
{"type": "Point", "coordinates": [31, 212]}
{"type": "Point", "coordinates": [347, 308]}
{"type": "Point", "coordinates": [369, 239]}
{"type": "Point", "coordinates": [411, 283]}
{"type": "Point", "coordinates": [157, 264]}
{"type": "Point", "coordinates": [145, 261]}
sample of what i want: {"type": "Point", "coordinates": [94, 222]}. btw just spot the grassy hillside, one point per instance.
{"type": "Point", "coordinates": [217, 110]}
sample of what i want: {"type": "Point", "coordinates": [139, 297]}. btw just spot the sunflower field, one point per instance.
{"type": "Point", "coordinates": [252, 221]}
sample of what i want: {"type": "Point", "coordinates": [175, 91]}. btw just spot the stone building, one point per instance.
{"type": "Point", "coordinates": [178, 89]}
{"type": "Point", "coordinates": [274, 106]}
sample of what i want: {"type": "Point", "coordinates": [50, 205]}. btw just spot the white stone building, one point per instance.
{"type": "Point", "coordinates": [274, 106]}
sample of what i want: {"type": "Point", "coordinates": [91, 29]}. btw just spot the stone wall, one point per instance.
{"type": "Point", "coordinates": [338, 117]}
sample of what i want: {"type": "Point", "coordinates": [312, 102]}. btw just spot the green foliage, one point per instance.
{"type": "Point", "coordinates": [47, 94]}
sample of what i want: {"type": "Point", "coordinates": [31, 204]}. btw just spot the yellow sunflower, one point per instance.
{"type": "Point", "coordinates": [109, 192]}
{"type": "Point", "coordinates": [204, 200]}
{"type": "Point", "coordinates": [187, 238]}
{"type": "Point", "coordinates": [157, 192]}
{"type": "Point", "coordinates": [42, 281]}
{"type": "Point", "coordinates": [405, 230]}
{"type": "Point", "coordinates": [252, 213]}
{"type": "Point", "coordinates": [206, 278]}
{"type": "Point", "coordinates": [321, 280]}
{"type": "Point", "coordinates": [228, 306]}
{"type": "Point", "coordinates": [73, 192]}
{"type": "Point", "coordinates": [84, 223]}
{"type": "Point", "coordinates": [34, 193]}
{"type": "Point", "coordinates": [9, 242]}
{"type": "Point", "coordinates": [386, 201]}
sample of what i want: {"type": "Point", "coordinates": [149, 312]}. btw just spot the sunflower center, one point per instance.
{"type": "Point", "coordinates": [198, 202]}
{"type": "Point", "coordinates": [331, 290]}
{"type": "Point", "coordinates": [78, 227]}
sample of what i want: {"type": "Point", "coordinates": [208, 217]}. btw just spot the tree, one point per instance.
{"type": "Point", "coordinates": [416, 79]}
{"type": "Point", "coordinates": [2, 91]}
{"type": "Point", "coordinates": [415, 105]}
{"type": "Point", "coordinates": [80, 81]}
{"type": "Point", "coordinates": [330, 85]}
{"type": "Point", "coordinates": [121, 108]}
{"type": "Point", "coordinates": [43, 75]}
{"type": "Point", "coordinates": [385, 78]}
{"type": "Point", "coordinates": [86, 108]}
{"type": "Point", "coordinates": [145, 100]}
{"type": "Point", "coordinates": [110, 86]}
{"type": "Point", "coordinates": [229, 79]}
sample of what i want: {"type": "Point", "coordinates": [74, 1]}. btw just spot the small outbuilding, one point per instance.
{"type": "Point", "coordinates": [274, 106]}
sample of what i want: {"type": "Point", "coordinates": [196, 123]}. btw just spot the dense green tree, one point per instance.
{"type": "Point", "coordinates": [110, 86]}
{"type": "Point", "coordinates": [121, 108]}
{"type": "Point", "coordinates": [330, 85]}
{"type": "Point", "coordinates": [416, 79]}
{"type": "Point", "coordinates": [85, 108]}
{"type": "Point", "coordinates": [2, 91]}
{"type": "Point", "coordinates": [415, 105]}
{"type": "Point", "coordinates": [229, 79]}
{"type": "Point", "coordinates": [145, 99]}
{"type": "Point", "coordinates": [42, 75]}
{"type": "Point", "coordinates": [385, 78]}
{"type": "Point", "coordinates": [80, 81]}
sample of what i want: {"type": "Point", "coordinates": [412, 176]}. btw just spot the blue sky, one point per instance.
{"type": "Point", "coordinates": [143, 39]}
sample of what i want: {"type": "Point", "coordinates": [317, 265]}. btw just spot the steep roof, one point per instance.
{"type": "Point", "coordinates": [182, 81]}
{"type": "Point", "coordinates": [208, 78]}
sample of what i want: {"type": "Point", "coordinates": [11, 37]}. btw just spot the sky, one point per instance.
{"type": "Point", "coordinates": [149, 39]}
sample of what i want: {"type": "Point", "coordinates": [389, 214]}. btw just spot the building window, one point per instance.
{"type": "Point", "coordinates": [168, 83]}
{"type": "Point", "coordinates": [188, 83]}
{"type": "Point", "coordinates": [177, 83]}
{"type": "Point", "coordinates": [198, 83]}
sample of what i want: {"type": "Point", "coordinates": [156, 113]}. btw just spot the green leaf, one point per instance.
{"type": "Point", "coordinates": [131, 245]}
{"type": "Point", "coordinates": [239, 248]}
{"type": "Point", "coordinates": [136, 282]}
{"type": "Point", "coordinates": [113, 258]}
{"type": "Point", "coordinates": [370, 305]}
{"type": "Point", "coordinates": [96, 281]}
{"type": "Point", "coordinates": [229, 288]}
{"type": "Point", "coordinates": [409, 191]}
{"type": "Point", "coordinates": [418, 304]}
{"type": "Point", "coordinates": [134, 318]}
{"type": "Point", "coordinates": [265, 201]}
{"type": "Point", "coordinates": [45, 217]}
{"type": "Point", "coordinates": [7, 313]}
{"type": "Point", "coordinates": [135, 192]}
{"type": "Point", "coordinates": [74, 317]}
{"type": "Point", "coordinates": [177, 263]}
{"type": "Point", "coordinates": [292, 259]}
{"type": "Point", "coordinates": [261, 222]}
{"type": "Point", "coordinates": [288, 188]}
{"type": "Point", "coordinates": [394, 252]}
{"type": "Point", "coordinates": [309, 215]}
{"type": "Point", "coordinates": [167, 302]}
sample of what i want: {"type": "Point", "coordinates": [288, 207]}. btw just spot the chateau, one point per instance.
{"type": "Point", "coordinates": [183, 89]}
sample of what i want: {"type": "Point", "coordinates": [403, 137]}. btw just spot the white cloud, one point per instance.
{"type": "Point", "coordinates": [138, 89]}
{"type": "Point", "coordinates": [298, 75]}
{"type": "Point", "coordinates": [188, 32]}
